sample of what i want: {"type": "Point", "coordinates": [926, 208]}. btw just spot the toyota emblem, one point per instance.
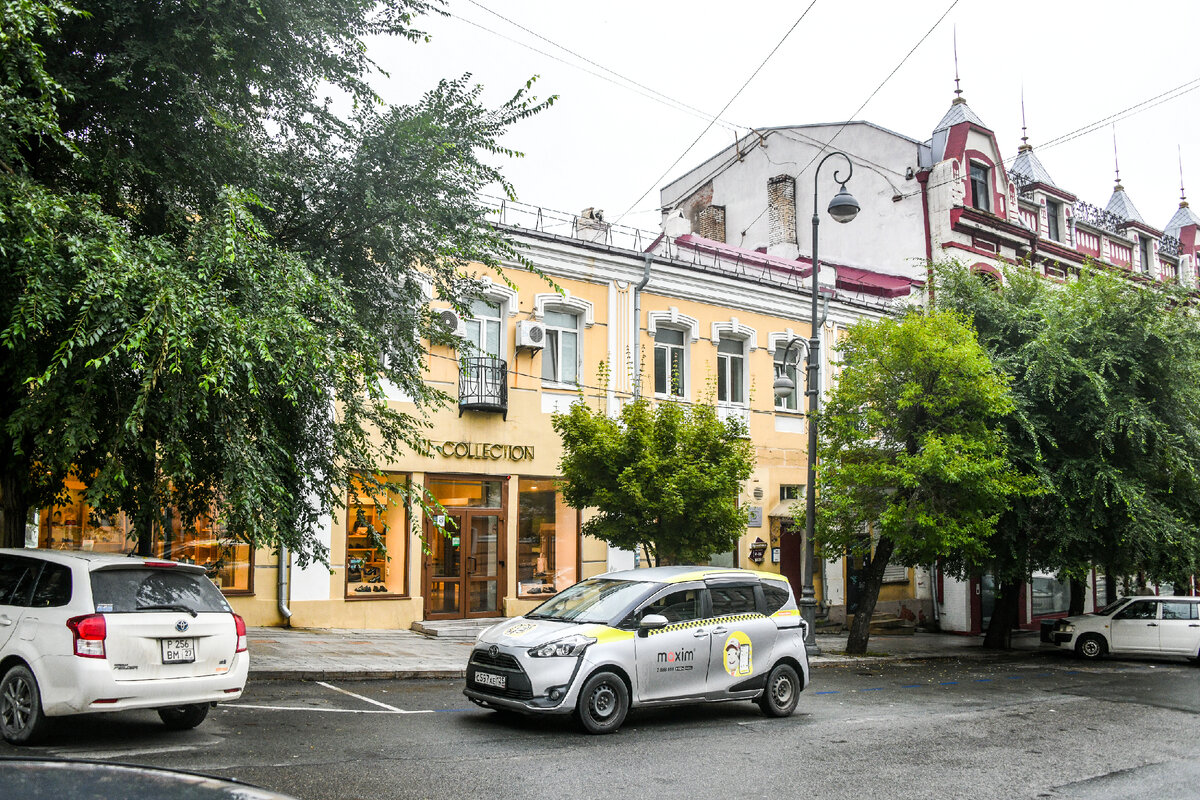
{"type": "Point", "coordinates": [493, 651]}
{"type": "Point", "coordinates": [181, 625]}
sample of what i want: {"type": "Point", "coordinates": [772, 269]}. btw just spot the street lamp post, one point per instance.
{"type": "Point", "coordinates": [843, 208]}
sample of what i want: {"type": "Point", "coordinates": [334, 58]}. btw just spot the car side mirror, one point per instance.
{"type": "Point", "coordinates": [651, 622]}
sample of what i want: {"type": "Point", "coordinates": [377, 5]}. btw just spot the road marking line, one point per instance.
{"type": "Point", "coordinates": [360, 697]}
{"type": "Point", "coordinates": [324, 710]}
{"type": "Point", "coordinates": [132, 751]}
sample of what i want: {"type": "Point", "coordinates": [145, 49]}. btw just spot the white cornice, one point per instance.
{"type": "Point", "coordinates": [674, 319]}
{"type": "Point", "coordinates": [735, 330]}
{"type": "Point", "coordinates": [565, 300]}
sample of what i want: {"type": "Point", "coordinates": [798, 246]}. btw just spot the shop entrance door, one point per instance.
{"type": "Point", "coordinates": [464, 570]}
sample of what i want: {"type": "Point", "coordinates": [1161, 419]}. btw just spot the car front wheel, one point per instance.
{"type": "Point", "coordinates": [1090, 646]}
{"type": "Point", "coordinates": [782, 693]}
{"type": "Point", "coordinates": [182, 718]}
{"type": "Point", "coordinates": [21, 718]}
{"type": "Point", "coordinates": [603, 703]}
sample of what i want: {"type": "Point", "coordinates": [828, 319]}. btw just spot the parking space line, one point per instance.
{"type": "Point", "coordinates": [101, 755]}
{"type": "Point", "coordinates": [323, 710]}
{"type": "Point", "coordinates": [360, 697]}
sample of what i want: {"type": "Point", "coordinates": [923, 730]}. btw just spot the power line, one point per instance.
{"type": "Point", "coordinates": [649, 94]}
{"type": "Point", "coordinates": [723, 110]}
{"type": "Point", "coordinates": [665, 97]}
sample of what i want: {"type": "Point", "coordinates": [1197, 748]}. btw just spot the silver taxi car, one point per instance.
{"type": "Point", "coordinates": [646, 637]}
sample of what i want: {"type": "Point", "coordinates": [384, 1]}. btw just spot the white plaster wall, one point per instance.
{"type": "Point", "coordinates": [956, 608]}
{"type": "Point", "coordinates": [886, 236]}
{"type": "Point", "coordinates": [312, 582]}
{"type": "Point", "coordinates": [835, 582]}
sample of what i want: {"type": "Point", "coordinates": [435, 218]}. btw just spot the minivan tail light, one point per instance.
{"type": "Point", "coordinates": [89, 633]}
{"type": "Point", "coordinates": [240, 625]}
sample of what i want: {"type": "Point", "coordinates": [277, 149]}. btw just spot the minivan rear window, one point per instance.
{"type": "Point", "coordinates": [135, 589]}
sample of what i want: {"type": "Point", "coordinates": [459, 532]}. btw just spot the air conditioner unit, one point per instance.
{"type": "Point", "coordinates": [450, 322]}
{"type": "Point", "coordinates": [531, 334]}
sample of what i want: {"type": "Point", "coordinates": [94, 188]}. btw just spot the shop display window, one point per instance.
{"type": "Point", "coordinates": [547, 539]}
{"type": "Point", "coordinates": [75, 525]}
{"type": "Point", "coordinates": [375, 546]}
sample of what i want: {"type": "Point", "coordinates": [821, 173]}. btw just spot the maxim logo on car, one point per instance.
{"type": "Point", "coordinates": [676, 660]}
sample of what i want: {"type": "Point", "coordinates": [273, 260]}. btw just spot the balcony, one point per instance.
{"type": "Point", "coordinates": [483, 385]}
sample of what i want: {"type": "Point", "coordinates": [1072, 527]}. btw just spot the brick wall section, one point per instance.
{"type": "Point", "coordinates": [781, 208]}
{"type": "Point", "coordinates": [712, 223]}
{"type": "Point", "coordinates": [695, 205]}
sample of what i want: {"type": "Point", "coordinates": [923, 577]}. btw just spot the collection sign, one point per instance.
{"type": "Point", "coordinates": [487, 451]}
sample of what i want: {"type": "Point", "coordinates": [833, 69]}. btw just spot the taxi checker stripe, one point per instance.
{"type": "Point", "coordinates": [683, 626]}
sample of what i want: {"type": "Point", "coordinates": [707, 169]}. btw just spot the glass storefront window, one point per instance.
{"type": "Point", "coordinates": [1050, 595]}
{"type": "Point", "coordinates": [547, 539]}
{"type": "Point", "coordinates": [74, 525]}
{"type": "Point", "coordinates": [467, 493]}
{"type": "Point", "coordinates": [375, 546]}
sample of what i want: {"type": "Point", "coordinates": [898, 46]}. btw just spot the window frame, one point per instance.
{"type": "Point", "coordinates": [1053, 226]}
{"type": "Point", "coordinates": [981, 200]}
{"type": "Point", "coordinates": [726, 368]}
{"type": "Point", "coordinates": [667, 347]}
{"type": "Point", "coordinates": [555, 332]}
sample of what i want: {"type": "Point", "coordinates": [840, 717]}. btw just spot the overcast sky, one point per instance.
{"type": "Point", "coordinates": [605, 143]}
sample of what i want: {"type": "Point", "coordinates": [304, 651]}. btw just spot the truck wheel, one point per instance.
{"type": "Point", "coordinates": [21, 718]}
{"type": "Point", "coordinates": [782, 692]}
{"type": "Point", "coordinates": [1091, 646]}
{"type": "Point", "coordinates": [603, 703]}
{"type": "Point", "coordinates": [182, 718]}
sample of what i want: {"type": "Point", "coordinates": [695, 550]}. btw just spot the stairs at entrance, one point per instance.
{"type": "Point", "coordinates": [457, 630]}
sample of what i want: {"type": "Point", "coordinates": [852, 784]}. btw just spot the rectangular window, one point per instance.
{"type": "Point", "coordinates": [668, 362]}
{"type": "Point", "coordinates": [1179, 610]}
{"type": "Point", "coordinates": [375, 543]}
{"type": "Point", "coordinates": [1053, 209]}
{"type": "Point", "coordinates": [483, 328]}
{"type": "Point", "coordinates": [731, 371]}
{"type": "Point", "coordinates": [791, 492]}
{"type": "Point", "coordinates": [981, 197]}
{"type": "Point", "coordinates": [547, 539]}
{"type": "Point", "coordinates": [730, 600]}
{"type": "Point", "coordinates": [1147, 251]}
{"type": "Point", "coordinates": [792, 401]}
{"type": "Point", "coordinates": [560, 358]}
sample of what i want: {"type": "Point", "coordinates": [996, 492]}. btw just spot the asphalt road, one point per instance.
{"type": "Point", "coordinates": [1040, 725]}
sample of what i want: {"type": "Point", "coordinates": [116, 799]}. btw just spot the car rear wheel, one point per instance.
{"type": "Point", "coordinates": [1090, 646]}
{"type": "Point", "coordinates": [782, 692]}
{"type": "Point", "coordinates": [182, 718]}
{"type": "Point", "coordinates": [21, 718]}
{"type": "Point", "coordinates": [603, 703]}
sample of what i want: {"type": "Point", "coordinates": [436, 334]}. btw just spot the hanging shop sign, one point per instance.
{"type": "Point", "coordinates": [487, 451]}
{"type": "Point", "coordinates": [758, 550]}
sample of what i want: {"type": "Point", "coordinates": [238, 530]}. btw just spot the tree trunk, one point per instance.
{"type": "Point", "coordinates": [860, 629]}
{"type": "Point", "coordinates": [14, 504]}
{"type": "Point", "coordinates": [1005, 616]}
{"type": "Point", "coordinates": [1110, 586]}
{"type": "Point", "coordinates": [1078, 596]}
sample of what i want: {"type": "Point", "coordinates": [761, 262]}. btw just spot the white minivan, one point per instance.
{"type": "Point", "coordinates": [1147, 625]}
{"type": "Point", "coordinates": [88, 632]}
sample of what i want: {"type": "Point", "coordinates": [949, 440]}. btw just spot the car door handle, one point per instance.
{"type": "Point", "coordinates": [700, 633]}
{"type": "Point", "coordinates": [1194, 625]}
{"type": "Point", "coordinates": [1151, 624]}
{"type": "Point", "coordinates": [720, 631]}
{"type": "Point", "coordinates": [6, 621]}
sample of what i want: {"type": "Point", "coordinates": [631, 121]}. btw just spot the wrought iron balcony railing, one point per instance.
{"type": "Point", "coordinates": [483, 385]}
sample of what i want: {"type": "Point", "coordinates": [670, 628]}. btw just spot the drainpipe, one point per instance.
{"type": "Point", "coordinates": [923, 179]}
{"type": "Point", "coordinates": [635, 352]}
{"type": "Point", "coordinates": [282, 588]}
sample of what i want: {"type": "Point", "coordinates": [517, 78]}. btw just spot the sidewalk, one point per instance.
{"type": "Point", "coordinates": [311, 654]}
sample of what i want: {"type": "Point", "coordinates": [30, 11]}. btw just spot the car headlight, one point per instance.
{"type": "Point", "coordinates": [1066, 627]}
{"type": "Point", "coordinates": [573, 645]}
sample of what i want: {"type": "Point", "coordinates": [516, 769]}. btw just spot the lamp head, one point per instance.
{"type": "Point", "coordinates": [784, 386]}
{"type": "Point", "coordinates": [843, 207]}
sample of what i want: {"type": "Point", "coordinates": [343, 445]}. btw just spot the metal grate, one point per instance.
{"type": "Point", "coordinates": [502, 660]}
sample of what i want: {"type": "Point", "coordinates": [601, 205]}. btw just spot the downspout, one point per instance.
{"type": "Point", "coordinates": [282, 587]}
{"type": "Point", "coordinates": [923, 179]}
{"type": "Point", "coordinates": [635, 349]}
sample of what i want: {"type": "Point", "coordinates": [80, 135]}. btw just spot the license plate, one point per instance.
{"type": "Point", "coordinates": [178, 651]}
{"type": "Point", "coordinates": [488, 679]}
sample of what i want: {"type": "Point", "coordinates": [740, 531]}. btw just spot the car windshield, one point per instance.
{"type": "Point", "coordinates": [135, 589]}
{"type": "Point", "coordinates": [596, 600]}
{"type": "Point", "coordinates": [1111, 607]}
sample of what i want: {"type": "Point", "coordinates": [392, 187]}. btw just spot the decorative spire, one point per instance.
{"type": "Point", "coordinates": [1183, 203]}
{"type": "Point", "coordinates": [1116, 163]}
{"type": "Point", "coordinates": [958, 98]}
{"type": "Point", "coordinates": [1025, 145]}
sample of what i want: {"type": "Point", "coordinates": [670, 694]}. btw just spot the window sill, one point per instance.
{"type": "Point", "coordinates": [554, 386]}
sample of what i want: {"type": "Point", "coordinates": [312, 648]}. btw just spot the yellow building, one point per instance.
{"type": "Point", "coordinates": [706, 323]}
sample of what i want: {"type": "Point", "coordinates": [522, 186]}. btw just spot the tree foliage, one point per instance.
{"type": "Point", "coordinates": [663, 477]}
{"type": "Point", "coordinates": [207, 275]}
{"type": "Point", "coordinates": [912, 463]}
{"type": "Point", "coordinates": [1106, 379]}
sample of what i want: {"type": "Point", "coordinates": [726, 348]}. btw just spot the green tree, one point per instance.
{"type": "Point", "coordinates": [205, 274]}
{"type": "Point", "coordinates": [913, 466]}
{"type": "Point", "coordinates": [1106, 379]}
{"type": "Point", "coordinates": [664, 478]}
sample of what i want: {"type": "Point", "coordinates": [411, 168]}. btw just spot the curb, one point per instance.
{"type": "Point", "coordinates": [285, 674]}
